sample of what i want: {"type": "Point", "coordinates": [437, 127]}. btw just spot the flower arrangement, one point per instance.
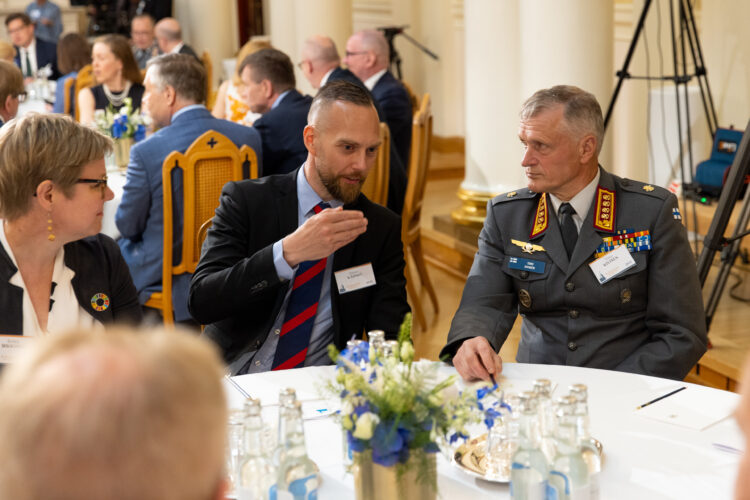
{"type": "Point", "coordinates": [123, 124]}
{"type": "Point", "coordinates": [396, 407]}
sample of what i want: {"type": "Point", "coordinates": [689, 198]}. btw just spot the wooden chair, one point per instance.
{"type": "Point", "coordinates": [67, 88]}
{"type": "Point", "coordinates": [211, 161]}
{"type": "Point", "coordinates": [210, 94]}
{"type": "Point", "coordinates": [410, 225]}
{"type": "Point", "coordinates": [84, 79]}
{"type": "Point", "coordinates": [376, 185]}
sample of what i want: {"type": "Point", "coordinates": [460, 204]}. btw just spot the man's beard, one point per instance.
{"type": "Point", "coordinates": [348, 193]}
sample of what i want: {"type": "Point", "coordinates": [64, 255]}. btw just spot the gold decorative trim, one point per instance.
{"type": "Point", "coordinates": [474, 208]}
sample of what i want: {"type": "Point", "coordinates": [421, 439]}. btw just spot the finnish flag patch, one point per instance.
{"type": "Point", "coordinates": [676, 213]}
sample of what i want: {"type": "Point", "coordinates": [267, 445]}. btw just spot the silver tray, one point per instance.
{"type": "Point", "coordinates": [471, 458]}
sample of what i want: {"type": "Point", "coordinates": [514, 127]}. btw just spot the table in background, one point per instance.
{"type": "Point", "coordinates": [116, 182]}
{"type": "Point", "coordinates": [642, 458]}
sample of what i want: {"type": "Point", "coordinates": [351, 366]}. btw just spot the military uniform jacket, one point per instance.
{"type": "Point", "coordinates": [648, 320]}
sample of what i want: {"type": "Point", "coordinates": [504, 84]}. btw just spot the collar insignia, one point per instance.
{"type": "Point", "coordinates": [541, 220]}
{"type": "Point", "coordinates": [604, 216]}
{"type": "Point", "coordinates": [648, 188]}
{"type": "Point", "coordinates": [511, 194]}
{"type": "Point", "coordinates": [527, 247]}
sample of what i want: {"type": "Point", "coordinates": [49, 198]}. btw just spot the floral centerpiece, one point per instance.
{"type": "Point", "coordinates": [125, 126]}
{"type": "Point", "coordinates": [395, 411]}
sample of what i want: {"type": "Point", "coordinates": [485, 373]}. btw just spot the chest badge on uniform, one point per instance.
{"type": "Point", "coordinates": [524, 298]}
{"type": "Point", "coordinates": [541, 219]}
{"type": "Point", "coordinates": [604, 216]}
{"type": "Point", "coordinates": [528, 247]}
{"type": "Point", "coordinates": [100, 302]}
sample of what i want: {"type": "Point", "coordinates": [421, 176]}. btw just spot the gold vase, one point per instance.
{"type": "Point", "coordinates": [122, 151]}
{"type": "Point", "coordinates": [375, 482]}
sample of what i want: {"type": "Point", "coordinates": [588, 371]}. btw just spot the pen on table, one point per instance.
{"type": "Point", "coordinates": [237, 386]}
{"type": "Point", "coordinates": [727, 448]}
{"type": "Point", "coordinates": [661, 397]}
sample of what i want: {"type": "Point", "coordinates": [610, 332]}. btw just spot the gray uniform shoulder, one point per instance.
{"type": "Point", "coordinates": [642, 188]}
{"type": "Point", "coordinates": [519, 194]}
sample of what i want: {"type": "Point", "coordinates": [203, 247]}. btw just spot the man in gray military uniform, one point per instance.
{"type": "Point", "coordinates": [637, 309]}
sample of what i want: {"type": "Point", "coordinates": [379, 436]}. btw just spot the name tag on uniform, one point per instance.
{"type": "Point", "coordinates": [612, 264]}
{"type": "Point", "coordinates": [354, 278]}
{"type": "Point", "coordinates": [11, 346]}
{"type": "Point", "coordinates": [532, 266]}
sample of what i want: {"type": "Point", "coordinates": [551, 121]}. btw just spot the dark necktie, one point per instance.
{"type": "Point", "coordinates": [28, 71]}
{"type": "Point", "coordinates": [568, 227]}
{"type": "Point", "coordinates": [300, 312]}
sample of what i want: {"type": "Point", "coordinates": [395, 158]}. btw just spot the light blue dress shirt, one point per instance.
{"type": "Point", "coordinates": [322, 331]}
{"type": "Point", "coordinates": [47, 11]}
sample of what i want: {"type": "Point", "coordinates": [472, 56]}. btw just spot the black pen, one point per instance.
{"type": "Point", "coordinates": [661, 397]}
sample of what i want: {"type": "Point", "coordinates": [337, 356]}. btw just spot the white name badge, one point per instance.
{"type": "Point", "coordinates": [354, 278]}
{"type": "Point", "coordinates": [11, 346]}
{"type": "Point", "coordinates": [612, 263]}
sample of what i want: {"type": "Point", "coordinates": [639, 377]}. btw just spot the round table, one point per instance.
{"type": "Point", "coordinates": [643, 458]}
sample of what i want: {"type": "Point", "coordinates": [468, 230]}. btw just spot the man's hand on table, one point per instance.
{"type": "Point", "coordinates": [476, 359]}
{"type": "Point", "coordinates": [322, 234]}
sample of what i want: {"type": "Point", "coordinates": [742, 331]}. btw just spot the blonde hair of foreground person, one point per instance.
{"type": "Point", "coordinates": [116, 415]}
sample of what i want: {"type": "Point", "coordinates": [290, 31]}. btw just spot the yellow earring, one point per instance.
{"type": "Point", "coordinates": [50, 236]}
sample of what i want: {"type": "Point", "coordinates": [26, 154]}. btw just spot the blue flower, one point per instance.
{"type": "Point", "coordinates": [387, 444]}
{"type": "Point", "coordinates": [140, 132]}
{"type": "Point", "coordinates": [354, 443]}
{"type": "Point", "coordinates": [431, 448]}
{"type": "Point", "coordinates": [489, 417]}
{"type": "Point", "coordinates": [483, 391]}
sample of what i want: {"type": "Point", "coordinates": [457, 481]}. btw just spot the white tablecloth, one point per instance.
{"type": "Point", "coordinates": [115, 181]}
{"type": "Point", "coordinates": [643, 459]}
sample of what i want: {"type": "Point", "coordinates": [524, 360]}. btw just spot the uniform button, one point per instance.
{"type": "Point", "coordinates": [573, 313]}
{"type": "Point", "coordinates": [277, 331]}
{"type": "Point", "coordinates": [570, 286]}
{"type": "Point", "coordinates": [626, 295]}
{"type": "Point", "coordinates": [257, 345]}
{"type": "Point", "coordinates": [524, 274]}
{"type": "Point", "coordinates": [257, 363]}
{"type": "Point", "coordinates": [572, 346]}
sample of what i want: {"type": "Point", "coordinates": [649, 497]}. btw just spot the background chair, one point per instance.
{"type": "Point", "coordinates": [211, 161]}
{"type": "Point", "coordinates": [67, 89]}
{"type": "Point", "coordinates": [410, 218]}
{"type": "Point", "coordinates": [84, 79]}
{"type": "Point", "coordinates": [210, 94]}
{"type": "Point", "coordinates": [376, 185]}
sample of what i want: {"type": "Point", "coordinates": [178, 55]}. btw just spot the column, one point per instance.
{"type": "Point", "coordinates": [512, 50]}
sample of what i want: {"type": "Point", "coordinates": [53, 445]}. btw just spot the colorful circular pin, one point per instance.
{"type": "Point", "coordinates": [100, 302]}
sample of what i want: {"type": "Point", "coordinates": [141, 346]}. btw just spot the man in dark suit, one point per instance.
{"type": "Point", "coordinates": [268, 78]}
{"type": "Point", "coordinates": [272, 246]}
{"type": "Point", "coordinates": [32, 54]}
{"type": "Point", "coordinates": [321, 64]}
{"type": "Point", "coordinates": [599, 267]}
{"type": "Point", "coordinates": [367, 56]}
{"type": "Point", "coordinates": [11, 90]}
{"type": "Point", "coordinates": [169, 38]}
{"type": "Point", "coordinates": [175, 90]}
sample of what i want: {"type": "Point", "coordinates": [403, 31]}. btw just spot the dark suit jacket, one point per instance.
{"type": "Point", "coordinates": [187, 49]}
{"type": "Point", "coordinates": [394, 100]}
{"type": "Point", "coordinates": [281, 132]}
{"type": "Point", "coordinates": [46, 53]}
{"type": "Point", "coordinates": [397, 177]}
{"type": "Point", "coordinates": [140, 214]}
{"type": "Point", "coordinates": [235, 288]}
{"type": "Point", "coordinates": [99, 268]}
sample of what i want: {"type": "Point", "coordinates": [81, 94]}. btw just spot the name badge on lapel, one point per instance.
{"type": "Point", "coordinates": [11, 346]}
{"type": "Point", "coordinates": [354, 278]}
{"type": "Point", "coordinates": [532, 266]}
{"type": "Point", "coordinates": [612, 264]}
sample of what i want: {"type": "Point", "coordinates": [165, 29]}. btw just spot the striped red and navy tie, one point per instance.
{"type": "Point", "coordinates": [300, 312]}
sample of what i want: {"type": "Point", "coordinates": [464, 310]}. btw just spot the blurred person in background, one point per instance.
{"type": "Point", "coordinates": [118, 75]}
{"type": "Point", "coordinates": [144, 40]}
{"type": "Point", "coordinates": [12, 91]}
{"type": "Point", "coordinates": [120, 415]}
{"type": "Point", "coordinates": [56, 271]}
{"type": "Point", "coordinates": [229, 103]}
{"type": "Point", "coordinates": [33, 53]}
{"type": "Point", "coordinates": [47, 19]}
{"type": "Point", "coordinates": [73, 53]}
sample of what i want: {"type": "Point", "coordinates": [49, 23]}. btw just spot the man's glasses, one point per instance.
{"type": "Point", "coordinates": [21, 96]}
{"type": "Point", "coordinates": [301, 64]}
{"type": "Point", "coordinates": [349, 54]}
{"type": "Point", "coordinates": [95, 183]}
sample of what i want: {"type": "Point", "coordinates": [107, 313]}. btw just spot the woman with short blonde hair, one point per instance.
{"type": "Point", "coordinates": [56, 271]}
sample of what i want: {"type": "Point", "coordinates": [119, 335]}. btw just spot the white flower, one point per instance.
{"type": "Point", "coordinates": [407, 352]}
{"type": "Point", "coordinates": [365, 426]}
{"type": "Point", "coordinates": [347, 407]}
